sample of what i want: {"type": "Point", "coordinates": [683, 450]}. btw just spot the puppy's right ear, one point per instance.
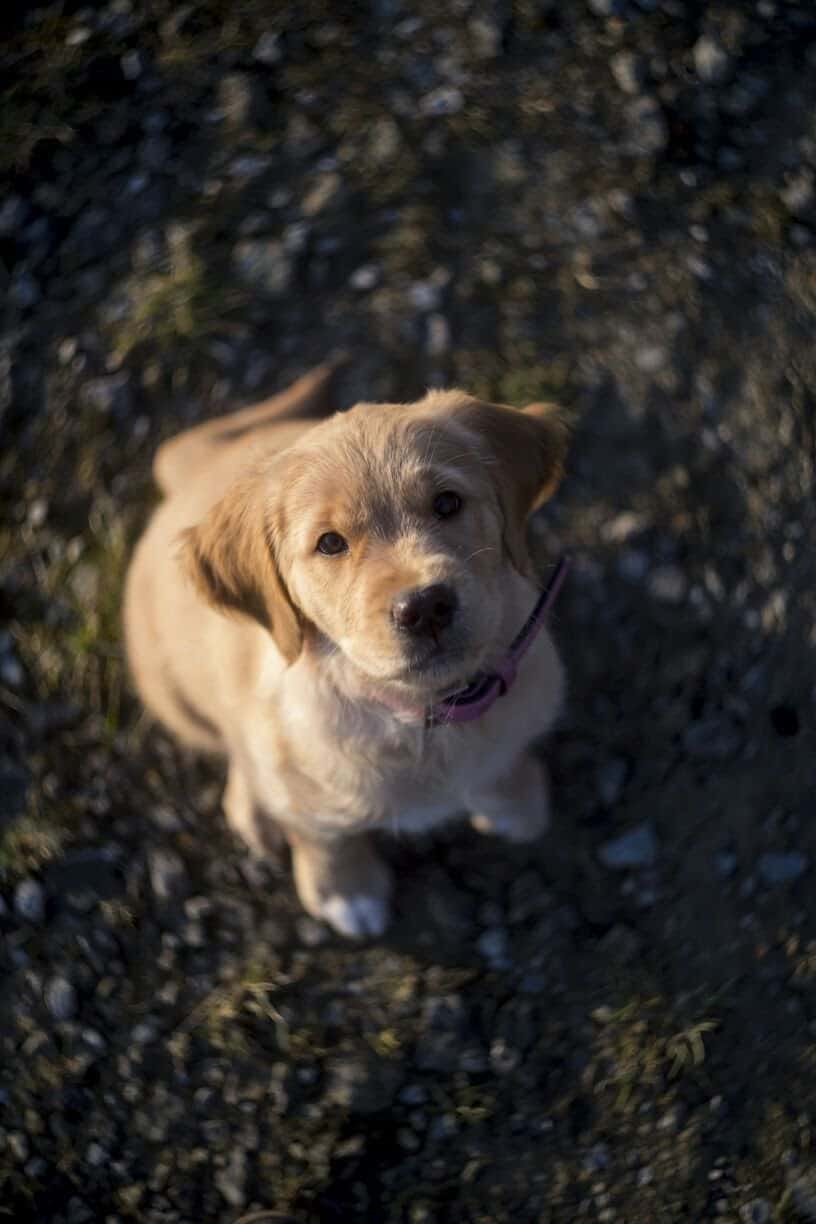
{"type": "Point", "coordinates": [230, 557]}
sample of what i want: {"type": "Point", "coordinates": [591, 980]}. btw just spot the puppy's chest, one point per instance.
{"type": "Point", "coordinates": [407, 783]}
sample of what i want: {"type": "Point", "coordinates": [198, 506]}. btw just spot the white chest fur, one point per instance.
{"type": "Point", "coordinates": [332, 766]}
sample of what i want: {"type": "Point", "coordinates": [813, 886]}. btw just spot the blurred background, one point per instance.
{"type": "Point", "coordinates": [610, 203]}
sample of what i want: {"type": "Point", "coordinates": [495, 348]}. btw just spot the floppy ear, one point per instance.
{"type": "Point", "coordinates": [526, 449]}
{"type": "Point", "coordinates": [230, 556]}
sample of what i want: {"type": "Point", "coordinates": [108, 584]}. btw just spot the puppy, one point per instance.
{"type": "Point", "coordinates": [329, 600]}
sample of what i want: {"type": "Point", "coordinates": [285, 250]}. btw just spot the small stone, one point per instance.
{"type": "Point", "coordinates": [629, 72]}
{"type": "Point", "coordinates": [425, 295]}
{"type": "Point", "coordinates": [782, 867]}
{"type": "Point", "coordinates": [60, 999]}
{"type": "Point", "coordinates": [310, 932]}
{"type": "Point", "coordinates": [235, 98]}
{"type": "Point", "coordinates": [198, 908]}
{"type": "Point", "coordinates": [96, 1155]}
{"type": "Point", "coordinates": [361, 1086]}
{"type": "Point", "coordinates": [714, 739]}
{"type": "Point", "coordinates": [412, 1094]}
{"type": "Point", "coordinates": [802, 1186]}
{"type": "Point", "coordinates": [611, 779]}
{"type": "Point", "coordinates": [438, 341]}
{"type": "Point", "coordinates": [798, 193]}
{"type": "Point", "coordinates": [485, 37]}
{"type": "Point", "coordinates": [131, 65]}
{"type": "Point", "coordinates": [13, 213]}
{"type": "Point", "coordinates": [651, 358]}
{"type": "Point", "coordinates": [758, 1211]}
{"type": "Point", "coordinates": [504, 1058]}
{"type": "Point", "coordinates": [492, 945]}
{"type": "Point", "coordinates": [648, 130]}
{"type": "Point", "coordinates": [24, 291]}
{"type": "Point", "coordinates": [637, 847]}
{"type": "Point", "coordinates": [265, 265]}
{"type": "Point", "coordinates": [268, 49]}
{"type": "Point", "coordinates": [668, 584]}
{"type": "Point", "coordinates": [712, 62]}
{"type": "Point", "coordinates": [29, 901]}
{"type": "Point", "coordinates": [744, 96]}
{"type": "Point", "coordinates": [447, 100]}
{"type": "Point", "coordinates": [725, 864]}
{"type": "Point", "coordinates": [17, 1143]}
{"type": "Point", "coordinates": [320, 194]}
{"type": "Point", "coordinates": [620, 944]}
{"type": "Point", "coordinates": [633, 565]}
{"type": "Point", "coordinates": [11, 671]}
{"type": "Point", "coordinates": [144, 1034]}
{"type": "Point", "coordinates": [623, 526]}
{"type": "Point", "coordinates": [489, 271]}
{"type": "Point", "coordinates": [384, 141]}
{"type": "Point", "coordinates": [231, 1180]}
{"type": "Point", "coordinates": [604, 8]}
{"type": "Point", "coordinates": [597, 1158]}
{"type": "Point", "coordinates": [168, 879]}
{"type": "Point", "coordinates": [110, 393]}
{"type": "Point", "coordinates": [365, 278]}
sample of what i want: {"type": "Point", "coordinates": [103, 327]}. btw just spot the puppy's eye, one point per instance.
{"type": "Point", "coordinates": [331, 544]}
{"type": "Point", "coordinates": [447, 504]}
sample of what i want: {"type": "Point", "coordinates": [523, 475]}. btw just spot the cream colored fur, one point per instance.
{"type": "Point", "coordinates": [246, 641]}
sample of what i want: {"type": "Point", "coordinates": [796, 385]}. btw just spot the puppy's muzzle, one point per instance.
{"type": "Point", "coordinates": [425, 611]}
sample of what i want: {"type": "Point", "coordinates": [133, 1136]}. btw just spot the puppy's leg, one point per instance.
{"type": "Point", "coordinates": [518, 807]}
{"type": "Point", "coordinates": [243, 815]}
{"type": "Point", "coordinates": [343, 882]}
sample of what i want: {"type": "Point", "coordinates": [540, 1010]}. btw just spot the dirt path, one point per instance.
{"type": "Point", "coordinates": [608, 202]}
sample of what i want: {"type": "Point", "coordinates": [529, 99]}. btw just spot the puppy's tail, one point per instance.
{"type": "Point", "coordinates": [312, 397]}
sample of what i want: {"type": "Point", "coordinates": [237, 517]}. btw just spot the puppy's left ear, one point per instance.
{"type": "Point", "coordinates": [526, 451]}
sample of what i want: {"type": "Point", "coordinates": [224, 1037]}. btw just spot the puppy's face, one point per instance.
{"type": "Point", "coordinates": [387, 534]}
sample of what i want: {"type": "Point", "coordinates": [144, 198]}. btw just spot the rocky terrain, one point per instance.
{"type": "Point", "coordinates": [607, 202]}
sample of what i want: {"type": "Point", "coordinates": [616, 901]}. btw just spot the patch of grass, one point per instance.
{"type": "Point", "coordinates": [83, 661]}
{"type": "Point", "coordinates": [387, 1043]}
{"type": "Point", "coordinates": [47, 97]}
{"type": "Point", "coordinates": [802, 958]}
{"type": "Point", "coordinates": [25, 124]}
{"type": "Point", "coordinates": [226, 1015]}
{"type": "Point", "coordinates": [641, 1048]}
{"type": "Point", "coordinates": [27, 844]}
{"type": "Point", "coordinates": [769, 217]}
{"type": "Point", "coordinates": [179, 305]}
{"type": "Point", "coordinates": [404, 250]}
{"type": "Point", "coordinates": [784, 1138]}
{"type": "Point", "coordinates": [518, 378]}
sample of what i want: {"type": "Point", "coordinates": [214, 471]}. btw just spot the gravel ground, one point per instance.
{"type": "Point", "coordinates": [606, 201]}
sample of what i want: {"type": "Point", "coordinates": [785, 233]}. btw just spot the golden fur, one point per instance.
{"type": "Point", "coordinates": [246, 640]}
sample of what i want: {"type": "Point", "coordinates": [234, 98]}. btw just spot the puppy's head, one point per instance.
{"type": "Point", "coordinates": [388, 533]}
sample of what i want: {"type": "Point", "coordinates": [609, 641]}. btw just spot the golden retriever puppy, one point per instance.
{"type": "Point", "coordinates": [339, 604]}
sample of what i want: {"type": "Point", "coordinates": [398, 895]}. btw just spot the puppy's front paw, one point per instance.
{"type": "Point", "coordinates": [357, 916]}
{"type": "Point", "coordinates": [344, 883]}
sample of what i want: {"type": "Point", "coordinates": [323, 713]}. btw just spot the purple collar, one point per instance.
{"type": "Point", "coordinates": [472, 702]}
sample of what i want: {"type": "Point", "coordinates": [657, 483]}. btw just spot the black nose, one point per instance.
{"type": "Point", "coordinates": [424, 610]}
